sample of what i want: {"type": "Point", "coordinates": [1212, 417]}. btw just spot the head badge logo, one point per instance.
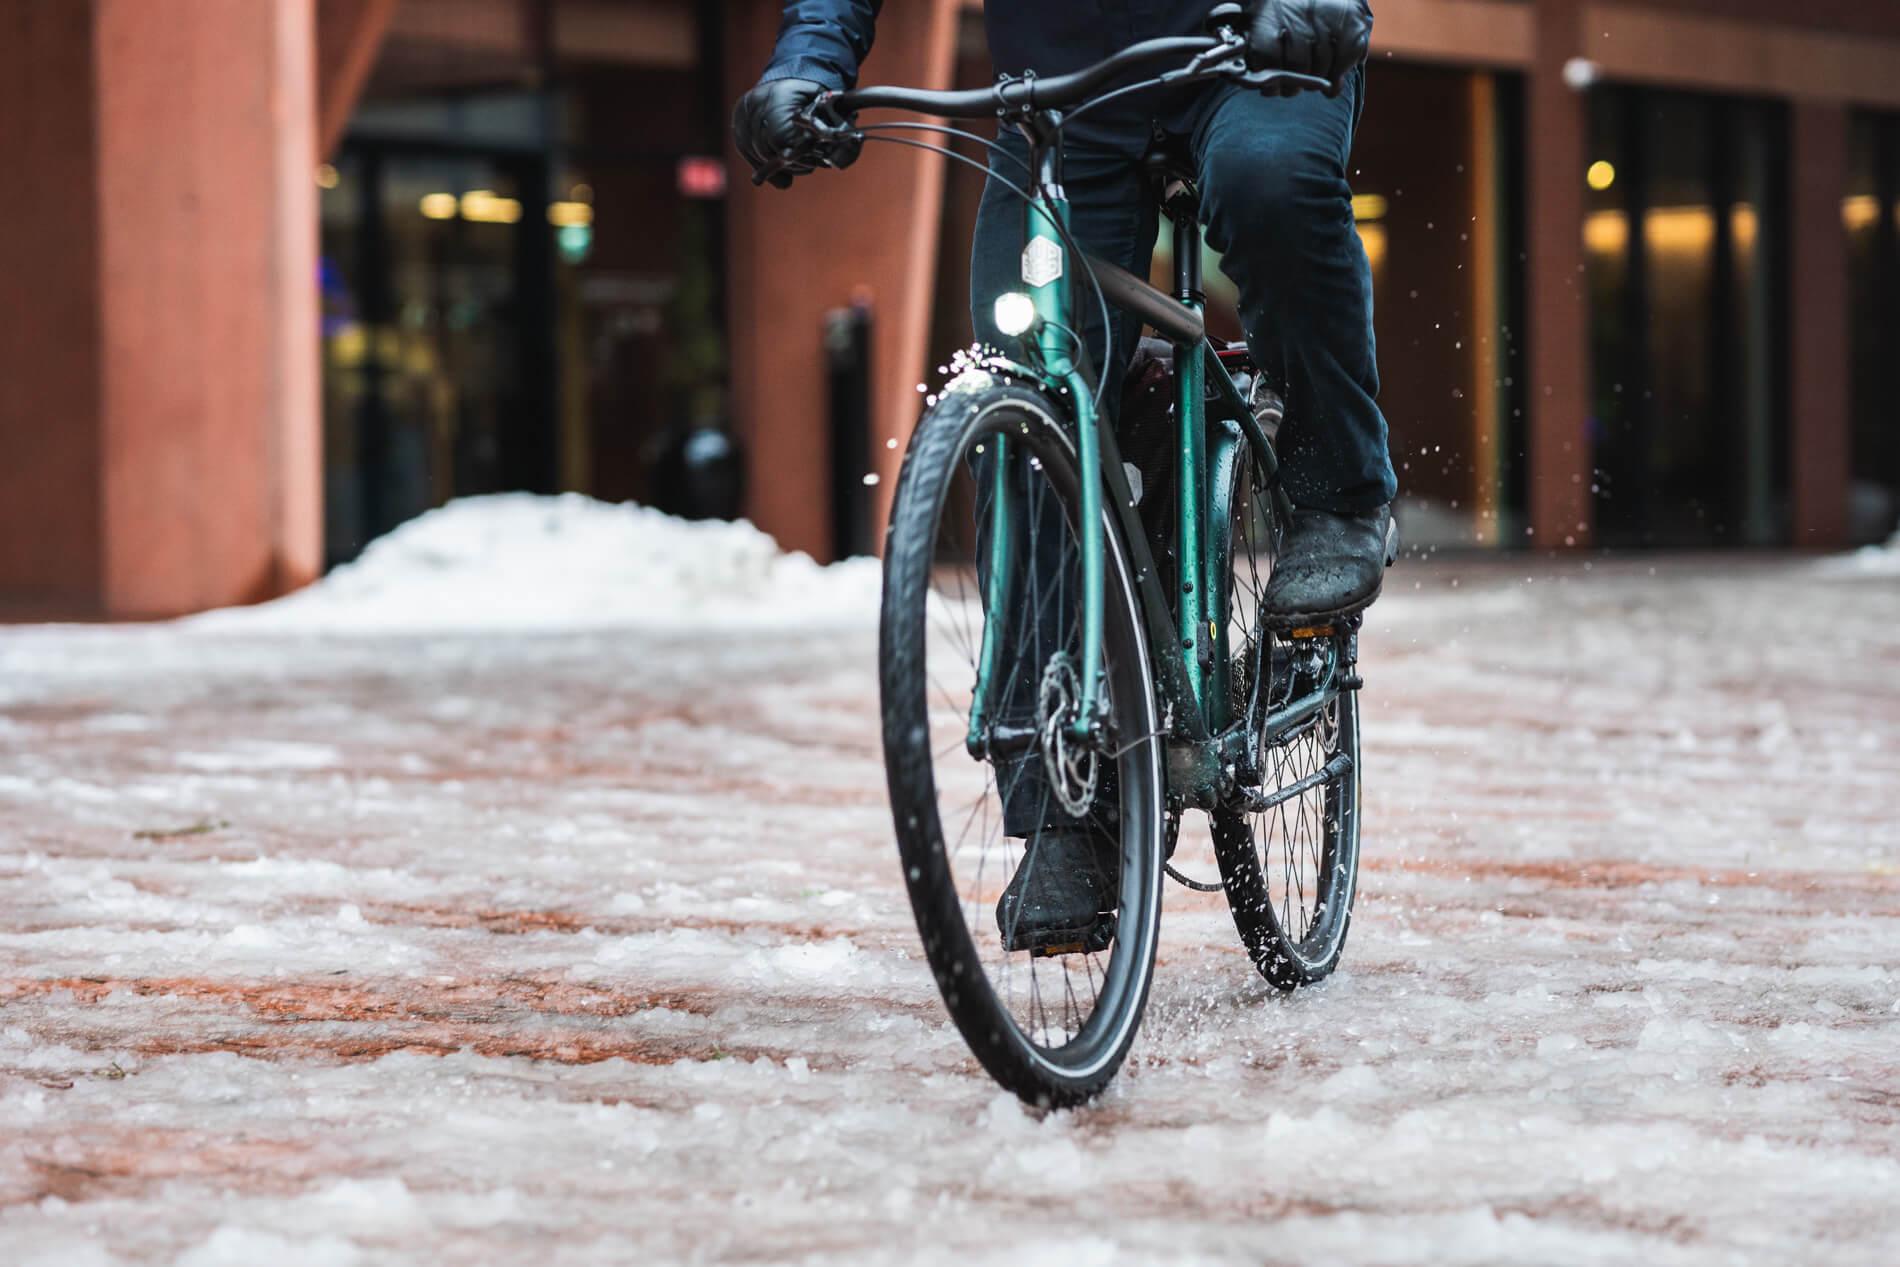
{"type": "Point", "coordinates": [1042, 262]}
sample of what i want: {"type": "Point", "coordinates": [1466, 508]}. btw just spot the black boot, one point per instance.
{"type": "Point", "coordinates": [1064, 894]}
{"type": "Point", "coordinates": [1330, 566]}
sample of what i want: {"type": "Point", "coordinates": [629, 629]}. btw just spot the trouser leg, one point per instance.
{"type": "Point", "coordinates": [1111, 217]}
{"type": "Point", "coordinates": [1277, 205]}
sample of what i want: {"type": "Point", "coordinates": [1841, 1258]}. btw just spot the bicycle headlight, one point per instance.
{"type": "Point", "coordinates": [1015, 313]}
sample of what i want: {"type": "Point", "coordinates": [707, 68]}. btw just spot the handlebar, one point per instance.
{"type": "Point", "coordinates": [1205, 56]}
{"type": "Point", "coordinates": [1027, 93]}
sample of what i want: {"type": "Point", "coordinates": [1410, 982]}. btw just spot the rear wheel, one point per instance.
{"type": "Point", "coordinates": [1052, 1027]}
{"type": "Point", "coordinates": [1288, 842]}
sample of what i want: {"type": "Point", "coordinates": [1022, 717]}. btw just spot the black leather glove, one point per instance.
{"type": "Point", "coordinates": [1326, 38]}
{"type": "Point", "coordinates": [766, 130]}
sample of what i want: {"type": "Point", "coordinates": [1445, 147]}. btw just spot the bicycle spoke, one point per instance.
{"type": "Point", "coordinates": [1299, 869]}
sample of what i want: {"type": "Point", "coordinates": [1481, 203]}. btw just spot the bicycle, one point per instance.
{"type": "Point", "coordinates": [1168, 691]}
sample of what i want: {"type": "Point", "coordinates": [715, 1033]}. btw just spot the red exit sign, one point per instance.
{"type": "Point", "coordinates": [702, 177]}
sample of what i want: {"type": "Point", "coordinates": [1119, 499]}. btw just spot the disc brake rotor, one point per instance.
{"type": "Point", "coordinates": [1074, 770]}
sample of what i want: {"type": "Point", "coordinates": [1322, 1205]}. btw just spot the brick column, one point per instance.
{"type": "Point", "coordinates": [1561, 454]}
{"type": "Point", "coordinates": [796, 253]}
{"type": "Point", "coordinates": [158, 341]}
{"type": "Point", "coordinates": [1819, 355]}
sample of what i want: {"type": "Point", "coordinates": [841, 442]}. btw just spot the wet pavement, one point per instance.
{"type": "Point", "coordinates": [591, 946]}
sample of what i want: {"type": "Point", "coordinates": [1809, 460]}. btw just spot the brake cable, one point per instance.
{"type": "Point", "coordinates": [1068, 240]}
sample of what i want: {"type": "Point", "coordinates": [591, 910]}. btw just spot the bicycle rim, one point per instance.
{"type": "Point", "coordinates": [1053, 1028]}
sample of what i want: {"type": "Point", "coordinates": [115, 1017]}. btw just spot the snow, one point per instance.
{"type": "Point", "coordinates": [347, 931]}
{"type": "Point", "coordinates": [515, 561]}
{"type": "Point", "coordinates": [1874, 560]}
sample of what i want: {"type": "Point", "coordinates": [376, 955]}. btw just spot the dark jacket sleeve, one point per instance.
{"type": "Point", "coordinates": [824, 41]}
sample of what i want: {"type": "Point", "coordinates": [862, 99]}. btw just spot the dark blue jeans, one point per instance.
{"type": "Point", "coordinates": [1277, 206]}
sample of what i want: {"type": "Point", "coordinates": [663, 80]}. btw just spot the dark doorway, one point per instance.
{"type": "Point", "coordinates": [438, 337]}
{"type": "Point", "coordinates": [1686, 247]}
{"type": "Point", "coordinates": [1871, 216]}
{"type": "Point", "coordinates": [523, 251]}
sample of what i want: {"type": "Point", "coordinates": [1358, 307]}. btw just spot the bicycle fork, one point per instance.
{"type": "Point", "coordinates": [1046, 275]}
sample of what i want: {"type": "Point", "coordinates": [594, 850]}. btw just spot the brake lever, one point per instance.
{"type": "Point", "coordinates": [1224, 58]}
{"type": "Point", "coordinates": [1228, 60]}
{"type": "Point", "coordinates": [821, 122]}
{"type": "Point", "coordinates": [830, 127]}
{"type": "Point", "coordinates": [1265, 79]}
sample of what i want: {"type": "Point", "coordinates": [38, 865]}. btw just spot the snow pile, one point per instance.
{"type": "Point", "coordinates": [517, 561]}
{"type": "Point", "coordinates": [1880, 560]}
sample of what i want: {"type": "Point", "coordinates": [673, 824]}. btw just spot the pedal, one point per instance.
{"type": "Point", "coordinates": [1097, 939]}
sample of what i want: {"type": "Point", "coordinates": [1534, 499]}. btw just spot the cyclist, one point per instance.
{"type": "Point", "coordinates": [1276, 202]}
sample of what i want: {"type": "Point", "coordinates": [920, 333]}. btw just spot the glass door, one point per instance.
{"type": "Point", "coordinates": [1685, 245]}
{"type": "Point", "coordinates": [437, 342]}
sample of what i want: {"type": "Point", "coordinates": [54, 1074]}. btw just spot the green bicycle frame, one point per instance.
{"type": "Point", "coordinates": [1214, 429]}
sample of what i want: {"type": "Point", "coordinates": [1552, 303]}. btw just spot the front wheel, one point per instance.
{"type": "Point", "coordinates": [1051, 1022]}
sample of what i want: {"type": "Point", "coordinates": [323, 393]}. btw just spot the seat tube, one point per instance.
{"type": "Point", "coordinates": [1190, 412]}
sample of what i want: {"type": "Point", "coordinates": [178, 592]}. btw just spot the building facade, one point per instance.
{"type": "Point", "coordinates": [1636, 267]}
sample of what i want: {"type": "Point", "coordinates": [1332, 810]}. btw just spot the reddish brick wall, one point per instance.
{"type": "Point", "coordinates": [161, 424]}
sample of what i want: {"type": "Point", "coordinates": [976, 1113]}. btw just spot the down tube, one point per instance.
{"type": "Point", "coordinates": [1190, 411]}
{"type": "Point", "coordinates": [1225, 453]}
